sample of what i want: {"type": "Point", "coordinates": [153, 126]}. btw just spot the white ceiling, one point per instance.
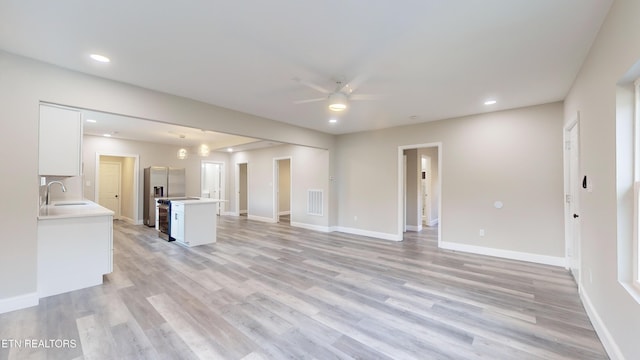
{"type": "Point", "coordinates": [425, 59]}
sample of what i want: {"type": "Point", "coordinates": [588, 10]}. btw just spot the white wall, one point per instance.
{"type": "Point", "coordinates": [150, 154]}
{"type": "Point", "coordinates": [513, 156]}
{"type": "Point", "coordinates": [309, 170]}
{"type": "Point", "coordinates": [614, 312]}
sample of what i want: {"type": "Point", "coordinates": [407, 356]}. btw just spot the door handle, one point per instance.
{"type": "Point", "coordinates": [576, 216]}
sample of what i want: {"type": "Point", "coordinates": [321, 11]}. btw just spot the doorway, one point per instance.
{"type": "Point", "coordinates": [282, 190]}
{"type": "Point", "coordinates": [242, 196]}
{"type": "Point", "coordinates": [572, 198]}
{"type": "Point", "coordinates": [425, 182]}
{"type": "Point", "coordinates": [212, 182]}
{"type": "Point", "coordinates": [419, 189]}
{"type": "Point", "coordinates": [116, 185]}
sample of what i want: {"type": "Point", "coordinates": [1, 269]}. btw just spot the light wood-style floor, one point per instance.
{"type": "Point", "coordinates": [270, 291]}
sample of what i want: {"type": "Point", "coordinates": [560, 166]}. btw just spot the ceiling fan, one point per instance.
{"type": "Point", "coordinates": [338, 98]}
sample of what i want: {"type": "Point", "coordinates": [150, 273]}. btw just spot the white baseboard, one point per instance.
{"type": "Point", "coordinates": [320, 228]}
{"type": "Point", "coordinates": [261, 218]}
{"type": "Point", "coordinates": [18, 302]}
{"type": "Point", "coordinates": [130, 221]}
{"type": "Point", "coordinates": [605, 336]}
{"type": "Point", "coordinates": [433, 222]}
{"type": "Point", "coordinates": [414, 228]}
{"type": "Point", "coordinates": [507, 254]}
{"type": "Point", "coordinates": [284, 213]}
{"type": "Point", "coordinates": [242, 212]}
{"type": "Point", "coordinates": [373, 234]}
{"type": "Point", "coordinates": [229, 213]}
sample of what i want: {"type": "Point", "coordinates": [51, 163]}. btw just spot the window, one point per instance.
{"type": "Point", "coordinates": [628, 180]}
{"type": "Point", "coordinates": [636, 187]}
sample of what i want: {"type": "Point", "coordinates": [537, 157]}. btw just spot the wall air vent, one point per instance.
{"type": "Point", "coordinates": [315, 202]}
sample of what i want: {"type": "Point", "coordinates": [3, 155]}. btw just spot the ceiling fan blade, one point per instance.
{"type": "Point", "coordinates": [312, 85]}
{"type": "Point", "coordinates": [354, 84]}
{"type": "Point", "coordinates": [309, 100]}
{"type": "Point", "coordinates": [365, 97]}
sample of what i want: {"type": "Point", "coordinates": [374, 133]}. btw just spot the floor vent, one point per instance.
{"type": "Point", "coordinates": [314, 203]}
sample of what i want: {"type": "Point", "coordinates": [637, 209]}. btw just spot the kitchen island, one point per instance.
{"type": "Point", "coordinates": [194, 221]}
{"type": "Point", "coordinates": [75, 246]}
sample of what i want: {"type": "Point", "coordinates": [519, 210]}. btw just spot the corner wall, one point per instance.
{"type": "Point", "coordinates": [309, 170]}
{"type": "Point", "coordinates": [513, 156]}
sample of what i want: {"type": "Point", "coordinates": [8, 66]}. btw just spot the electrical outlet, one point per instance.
{"type": "Point", "coordinates": [43, 181]}
{"type": "Point", "coordinates": [481, 233]}
{"type": "Point", "coordinates": [355, 218]}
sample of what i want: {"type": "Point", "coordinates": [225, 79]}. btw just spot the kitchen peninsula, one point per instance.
{"type": "Point", "coordinates": [75, 246]}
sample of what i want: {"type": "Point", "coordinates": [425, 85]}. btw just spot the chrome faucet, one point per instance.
{"type": "Point", "coordinates": [49, 189]}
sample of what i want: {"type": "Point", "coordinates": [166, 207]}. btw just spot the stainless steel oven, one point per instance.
{"type": "Point", "coordinates": [164, 218]}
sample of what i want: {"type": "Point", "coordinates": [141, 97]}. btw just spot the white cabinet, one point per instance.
{"type": "Point", "coordinates": [73, 253]}
{"type": "Point", "coordinates": [60, 141]}
{"type": "Point", "coordinates": [193, 222]}
{"type": "Point", "coordinates": [177, 221]}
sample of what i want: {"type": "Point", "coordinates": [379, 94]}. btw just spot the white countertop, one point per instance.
{"type": "Point", "coordinates": [197, 200]}
{"type": "Point", "coordinates": [72, 209]}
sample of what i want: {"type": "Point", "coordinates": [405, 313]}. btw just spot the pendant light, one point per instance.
{"type": "Point", "coordinates": [203, 150]}
{"type": "Point", "coordinates": [182, 152]}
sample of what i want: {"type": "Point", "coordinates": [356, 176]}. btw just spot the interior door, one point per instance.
{"type": "Point", "coordinates": [212, 181]}
{"type": "Point", "coordinates": [109, 182]}
{"type": "Point", "coordinates": [575, 183]}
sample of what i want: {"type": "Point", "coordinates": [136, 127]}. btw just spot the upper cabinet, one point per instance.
{"type": "Point", "coordinates": [60, 141]}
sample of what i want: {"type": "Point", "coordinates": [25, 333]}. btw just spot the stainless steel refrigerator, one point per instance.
{"type": "Point", "coordinates": [159, 182]}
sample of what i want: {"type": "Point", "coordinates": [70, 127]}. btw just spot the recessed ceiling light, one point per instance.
{"type": "Point", "coordinates": [490, 102]}
{"type": "Point", "coordinates": [229, 149]}
{"type": "Point", "coordinates": [106, 135]}
{"type": "Point", "coordinates": [100, 58]}
{"type": "Point", "coordinates": [91, 121]}
{"type": "Point", "coordinates": [333, 121]}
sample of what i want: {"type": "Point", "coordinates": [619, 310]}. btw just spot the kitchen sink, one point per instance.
{"type": "Point", "coordinates": [70, 203]}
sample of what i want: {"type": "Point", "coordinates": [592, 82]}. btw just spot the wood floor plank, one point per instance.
{"type": "Point", "coordinates": [271, 291]}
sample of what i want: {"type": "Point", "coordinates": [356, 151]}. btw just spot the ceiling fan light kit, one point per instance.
{"type": "Point", "coordinates": [337, 101]}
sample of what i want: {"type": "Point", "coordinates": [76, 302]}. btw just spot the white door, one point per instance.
{"type": "Point", "coordinates": [426, 190]}
{"type": "Point", "coordinates": [109, 182]}
{"type": "Point", "coordinates": [211, 181]}
{"type": "Point", "coordinates": [573, 216]}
